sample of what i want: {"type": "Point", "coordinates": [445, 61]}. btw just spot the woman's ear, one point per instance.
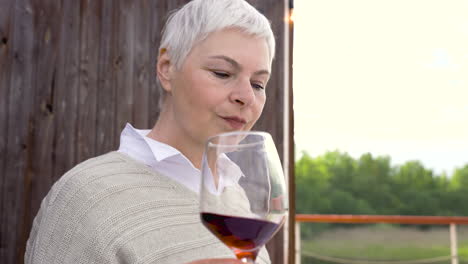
{"type": "Point", "coordinates": [163, 70]}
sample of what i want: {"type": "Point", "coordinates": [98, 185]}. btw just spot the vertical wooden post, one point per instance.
{"type": "Point", "coordinates": [298, 243]}
{"type": "Point", "coordinates": [453, 243]}
{"type": "Point", "coordinates": [293, 237]}
{"type": "Point", "coordinates": [276, 116]}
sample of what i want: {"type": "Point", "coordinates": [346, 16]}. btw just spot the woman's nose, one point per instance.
{"type": "Point", "coordinates": [243, 94]}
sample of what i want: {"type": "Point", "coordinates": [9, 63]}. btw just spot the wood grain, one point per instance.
{"type": "Point", "coordinates": [72, 74]}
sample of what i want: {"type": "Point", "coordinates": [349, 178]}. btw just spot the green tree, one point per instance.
{"type": "Point", "coordinates": [460, 178]}
{"type": "Point", "coordinates": [312, 183]}
{"type": "Point", "coordinates": [336, 183]}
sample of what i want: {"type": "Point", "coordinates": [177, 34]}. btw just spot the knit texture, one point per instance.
{"type": "Point", "coordinates": [113, 209]}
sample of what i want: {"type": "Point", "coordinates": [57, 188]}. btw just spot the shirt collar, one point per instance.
{"type": "Point", "coordinates": [161, 156]}
{"type": "Point", "coordinates": [132, 138]}
{"type": "Point", "coordinates": [228, 169]}
{"type": "Point", "coordinates": [163, 152]}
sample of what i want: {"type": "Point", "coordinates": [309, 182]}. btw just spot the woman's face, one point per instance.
{"type": "Point", "coordinates": [220, 86]}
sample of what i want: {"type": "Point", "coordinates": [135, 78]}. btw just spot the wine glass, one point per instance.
{"type": "Point", "coordinates": [243, 197]}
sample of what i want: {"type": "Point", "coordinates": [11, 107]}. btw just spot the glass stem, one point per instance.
{"type": "Point", "coordinates": [247, 260]}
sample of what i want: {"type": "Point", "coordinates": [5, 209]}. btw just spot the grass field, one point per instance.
{"type": "Point", "coordinates": [383, 242]}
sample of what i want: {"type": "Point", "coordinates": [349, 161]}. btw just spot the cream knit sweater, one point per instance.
{"type": "Point", "coordinates": [112, 209]}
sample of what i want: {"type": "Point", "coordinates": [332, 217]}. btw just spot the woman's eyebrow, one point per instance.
{"type": "Point", "coordinates": [231, 61]}
{"type": "Point", "coordinates": [262, 72]}
{"type": "Point", "coordinates": [236, 65]}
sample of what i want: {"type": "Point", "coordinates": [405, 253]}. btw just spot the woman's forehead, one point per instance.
{"type": "Point", "coordinates": [233, 47]}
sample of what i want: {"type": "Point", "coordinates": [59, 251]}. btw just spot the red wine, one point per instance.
{"type": "Point", "coordinates": [244, 235]}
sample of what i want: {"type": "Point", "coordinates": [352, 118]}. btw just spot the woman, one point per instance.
{"type": "Point", "coordinates": [140, 204]}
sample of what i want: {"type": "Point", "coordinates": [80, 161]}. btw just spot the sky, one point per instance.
{"type": "Point", "coordinates": [389, 77]}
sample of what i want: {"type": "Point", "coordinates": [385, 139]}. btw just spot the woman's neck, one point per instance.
{"type": "Point", "coordinates": [192, 151]}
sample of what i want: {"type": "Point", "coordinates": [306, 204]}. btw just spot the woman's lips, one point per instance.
{"type": "Point", "coordinates": [235, 122]}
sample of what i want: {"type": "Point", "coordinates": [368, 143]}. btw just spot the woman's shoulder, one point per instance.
{"type": "Point", "coordinates": [96, 202]}
{"type": "Point", "coordinates": [105, 175]}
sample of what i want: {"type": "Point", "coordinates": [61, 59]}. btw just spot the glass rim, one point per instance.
{"type": "Point", "coordinates": [238, 133]}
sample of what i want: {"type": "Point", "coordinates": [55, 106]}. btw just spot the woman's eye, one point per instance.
{"type": "Point", "coordinates": [257, 86]}
{"type": "Point", "coordinates": [222, 75]}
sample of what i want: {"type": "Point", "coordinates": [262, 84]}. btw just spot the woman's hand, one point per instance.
{"type": "Point", "coordinates": [216, 261]}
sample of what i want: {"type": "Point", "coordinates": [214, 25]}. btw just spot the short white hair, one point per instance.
{"type": "Point", "coordinates": [191, 24]}
{"type": "Point", "coordinates": [196, 20]}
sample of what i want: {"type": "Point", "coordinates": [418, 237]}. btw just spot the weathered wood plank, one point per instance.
{"type": "Point", "coordinates": [106, 136]}
{"type": "Point", "coordinates": [46, 32]}
{"type": "Point", "coordinates": [66, 88]}
{"type": "Point", "coordinates": [142, 66]}
{"type": "Point", "coordinates": [90, 30]}
{"type": "Point", "coordinates": [38, 176]}
{"type": "Point", "coordinates": [18, 145]}
{"type": "Point", "coordinates": [125, 64]}
{"type": "Point", "coordinates": [160, 13]}
{"type": "Point", "coordinates": [159, 10]}
{"type": "Point", "coordinates": [6, 58]}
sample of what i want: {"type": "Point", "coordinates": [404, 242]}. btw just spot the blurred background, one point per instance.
{"type": "Point", "coordinates": [381, 123]}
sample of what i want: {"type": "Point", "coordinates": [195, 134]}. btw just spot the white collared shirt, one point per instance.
{"type": "Point", "coordinates": [167, 160]}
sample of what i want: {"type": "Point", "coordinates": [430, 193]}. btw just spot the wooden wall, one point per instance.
{"type": "Point", "coordinates": [72, 73]}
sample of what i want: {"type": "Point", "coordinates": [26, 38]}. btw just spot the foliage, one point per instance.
{"type": "Point", "coordinates": [336, 183]}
